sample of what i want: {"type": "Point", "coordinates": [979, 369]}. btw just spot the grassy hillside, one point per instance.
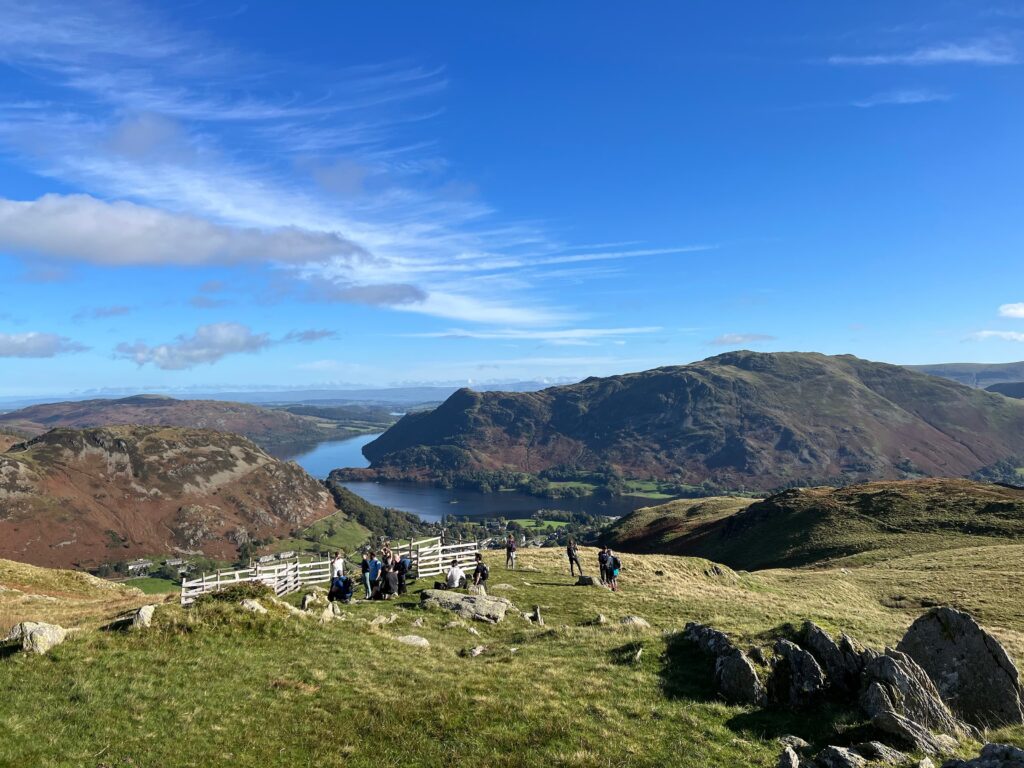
{"type": "Point", "coordinates": [857, 524]}
{"type": "Point", "coordinates": [739, 420]}
{"type": "Point", "coordinates": [974, 374]}
{"type": "Point", "coordinates": [1013, 389]}
{"type": "Point", "coordinates": [213, 686]}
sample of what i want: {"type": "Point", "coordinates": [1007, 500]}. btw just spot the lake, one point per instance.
{"type": "Point", "coordinates": [433, 504]}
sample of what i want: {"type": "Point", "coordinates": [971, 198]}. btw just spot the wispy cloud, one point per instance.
{"type": "Point", "coordinates": [990, 52]}
{"type": "Point", "coordinates": [309, 336]}
{"type": "Point", "coordinates": [901, 98]}
{"type": "Point", "coordinates": [1000, 335]}
{"type": "Point", "coordinates": [1012, 310]}
{"type": "Point", "coordinates": [738, 339]}
{"type": "Point", "coordinates": [35, 344]}
{"type": "Point", "coordinates": [207, 302]}
{"type": "Point", "coordinates": [101, 313]}
{"type": "Point", "coordinates": [562, 337]}
{"type": "Point", "coordinates": [207, 345]}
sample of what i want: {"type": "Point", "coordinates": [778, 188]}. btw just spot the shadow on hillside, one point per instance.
{"type": "Point", "coordinates": [686, 673]}
{"type": "Point", "coordinates": [9, 650]}
{"type": "Point", "coordinates": [822, 725]}
{"type": "Point", "coordinates": [626, 654]}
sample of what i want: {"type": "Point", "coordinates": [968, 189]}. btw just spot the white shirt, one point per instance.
{"type": "Point", "coordinates": [337, 567]}
{"type": "Point", "coordinates": [455, 575]}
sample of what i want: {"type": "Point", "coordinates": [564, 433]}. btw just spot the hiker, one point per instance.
{"type": "Point", "coordinates": [454, 579]}
{"type": "Point", "coordinates": [389, 583]}
{"type": "Point", "coordinates": [364, 569]}
{"type": "Point", "coordinates": [385, 553]}
{"type": "Point", "coordinates": [573, 554]}
{"type": "Point", "coordinates": [510, 552]}
{"type": "Point", "coordinates": [376, 570]}
{"type": "Point", "coordinates": [402, 568]}
{"type": "Point", "coordinates": [341, 589]}
{"type": "Point", "coordinates": [602, 561]}
{"type": "Point", "coordinates": [481, 572]}
{"type": "Point", "coordinates": [614, 564]}
{"type": "Point", "coordinates": [338, 565]}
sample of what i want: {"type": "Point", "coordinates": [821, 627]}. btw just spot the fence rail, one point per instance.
{"type": "Point", "coordinates": [429, 557]}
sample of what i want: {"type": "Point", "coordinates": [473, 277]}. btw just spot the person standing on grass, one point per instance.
{"type": "Point", "coordinates": [402, 569]}
{"type": "Point", "coordinates": [376, 571]}
{"type": "Point", "coordinates": [573, 553]}
{"type": "Point", "coordinates": [364, 567]}
{"type": "Point", "coordinates": [614, 564]}
{"type": "Point", "coordinates": [510, 552]}
{"type": "Point", "coordinates": [338, 565]}
{"type": "Point", "coordinates": [481, 571]}
{"type": "Point", "coordinates": [602, 562]}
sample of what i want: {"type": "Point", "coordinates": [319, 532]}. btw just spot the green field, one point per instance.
{"type": "Point", "coordinates": [154, 586]}
{"type": "Point", "coordinates": [329, 533]}
{"type": "Point", "coordinates": [216, 686]}
{"type": "Point", "coordinates": [532, 524]}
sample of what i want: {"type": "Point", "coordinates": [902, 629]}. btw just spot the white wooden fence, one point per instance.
{"type": "Point", "coordinates": [429, 557]}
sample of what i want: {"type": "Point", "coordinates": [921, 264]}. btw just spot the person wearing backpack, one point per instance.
{"type": "Point", "coordinates": [602, 562]}
{"type": "Point", "coordinates": [481, 572]}
{"type": "Point", "coordinates": [341, 589]}
{"type": "Point", "coordinates": [402, 568]}
{"type": "Point", "coordinates": [510, 552]}
{"type": "Point", "coordinates": [573, 553]}
{"type": "Point", "coordinates": [364, 569]}
{"type": "Point", "coordinates": [614, 565]}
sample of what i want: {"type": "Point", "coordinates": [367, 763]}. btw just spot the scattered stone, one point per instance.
{"type": "Point", "coordinates": [797, 679]}
{"type": "Point", "coordinates": [924, 762]}
{"type": "Point", "coordinates": [708, 639]}
{"type": "Point", "coordinates": [639, 654]}
{"type": "Point", "coordinates": [503, 587]}
{"type": "Point", "coordinates": [839, 757]}
{"type": "Point", "coordinates": [536, 618]}
{"type": "Point", "coordinates": [913, 734]}
{"type": "Point", "coordinates": [789, 758]}
{"type": "Point", "coordinates": [586, 581]}
{"type": "Point", "coordinates": [311, 599]}
{"type": "Point", "coordinates": [473, 631]}
{"type": "Point", "coordinates": [476, 589]}
{"type": "Point", "coordinates": [634, 622]}
{"type": "Point", "coordinates": [454, 624]}
{"type": "Point", "coordinates": [327, 614]}
{"type": "Point", "coordinates": [794, 742]}
{"type": "Point", "coordinates": [600, 620]}
{"type": "Point", "coordinates": [418, 622]}
{"type": "Point", "coordinates": [291, 609]}
{"type": "Point", "coordinates": [474, 652]}
{"type": "Point", "coordinates": [894, 682]}
{"type": "Point", "coordinates": [143, 618]}
{"type": "Point", "coordinates": [490, 609]}
{"type": "Point", "coordinates": [40, 638]}
{"type": "Point", "coordinates": [992, 756]}
{"type": "Point", "coordinates": [970, 668]}
{"type": "Point", "coordinates": [380, 621]}
{"type": "Point", "coordinates": [841, 677]}
{"type": "Point", "coordinates": [414, 640]}
{"type": "Point", "coordinates": [253, 605]}
{"type": "Point", "coordinates": [877, 752]}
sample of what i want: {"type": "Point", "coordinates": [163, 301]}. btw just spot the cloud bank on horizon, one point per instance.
{"type": "Point", "coordinates": [210, 188]}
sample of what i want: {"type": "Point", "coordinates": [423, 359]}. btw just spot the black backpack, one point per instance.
{"type": "Point", "coordinates": [614, 563]}
{"type": "Point", "coordinates": [484, 572]}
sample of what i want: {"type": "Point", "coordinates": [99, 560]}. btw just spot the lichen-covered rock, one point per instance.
{"type": "Point", "coordinates": [737, 679]}
{"type": "Point", "coordinates": [992, 756]}
{"type": "Point", "coordinates": [841, 676]}
{"type": "Point", "coordinates": [143, 617]}
{"type": "Point", "coordinates": [788, 759]}
{"type": "Point", "coordinates": [414, 640]}
{"type": "Point", "coordinates": [253, 605]}
{"type": "Point", "coordinates": [913, 734]}
{"type": "Point", "coordinates": [708, 639]}
{"type": "Point", "coordinates": [478, 607]}
{"type": "Point", "coordinates": [839, 757]}
{"type": "Point", "coordinates": [477, 589]}
{"type": "Point", "coordinates": [634, 622]}
{"type": "Point", "coordinates": [40, 637]}
{"type": "Point", "coordinates": [970, 668]}
{"type": "Point", "coordinates": [797, 679]}
{"type": "Point", "coordinates": [18, 631]}
{"type": "Point", "coordinates": [311, 600]}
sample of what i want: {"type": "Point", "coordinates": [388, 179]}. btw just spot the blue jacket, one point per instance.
{"type": "Point", "coordinates": [375, 566]}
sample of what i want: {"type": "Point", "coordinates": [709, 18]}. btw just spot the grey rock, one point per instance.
{"type": "Point", "coordinates": [586, 581]}
{"type": "Point", "coordinates": [143, 617]}
{"type": "Point", "coordinates": [253, 605]}
{"type": "Point", "coordinates": [840, 675]}
{"type": "Point", "coordinates": [41, 637]}
{"type": "Point", "coordinates": [18, 631]}
{"type": "Point", "coordinates": [536, 618]}
{"type": "Point", "coordinates": [418, 622]}
{"type": "Point", "coordinates": [477, 589]}
{"type": "Point", "coordinates": [795, 742]}
{"type": "Point", "coordinates": [877, 752]}
{"type": "Point", "coordinates": [708, 639]}
{"type": "Point", "coordinates": [737, 679]}
{"type": "Point", "coordinates": [600, 619]}
{"type": "Point", "coordinates": [992, 756]}
{"type": "Point", "coordinates": [970, 668]}
{"type": "Point", "coordinates": [839, 757]}
{"type": "Point", "coordinates": [924, 762]}
{"type": "Point", "coordinates": [913, 734]}
{"type": "Point", "coordinates": [789, 758]}
{"type": "Point", "coordinates": [414, 640]}
{"type": "Point", "coordinates": [894, 682]}
{"type": "Point", "coordinates": [797, 679]}
{"type": "Point", "coordinates": [854, 655]}
{"type": "Point", "coordinates": [380, 621]}
{"type": "Point", "coordinates": [634, 622]}
{"type": "Point", "coordinates": [311, 600]}
{"type": "Point", "coordinates": [476, 607]}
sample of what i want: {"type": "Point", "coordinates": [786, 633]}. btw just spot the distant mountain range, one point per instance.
{"type": "Point", "coordinates": [979, 375]}
{"type": "Point", "coordinates": [738, 420]}
{"type": "Point", "coordinates": [1009, 389]}
{"type": "Point", "coordinates": [84, 497]}
{"type": "Point", "coordinates": [272, 429]}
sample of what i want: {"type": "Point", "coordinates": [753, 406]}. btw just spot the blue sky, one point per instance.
{"type": "Point", "coordinates": [206, 194]}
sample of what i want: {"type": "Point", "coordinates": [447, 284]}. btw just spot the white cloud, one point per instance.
{"type": "Point", "coordinates": [986, 52]}
{"type": "Point", "coordinates": [737, 339]}
{"type": "Point", "coordinates": [902, 98]}
{"type": "Point", "coordinates": [34, 344]}
{"type": "Point", "coordinates": [564, 336]}
{"type": "Point", "coordinates": [80, 227]}
{"type": "Point", "coordinates": [1001, 335]}
{"type": "Point", "coordinates": [209, 344]}
{"type": "Point", "coordinates": [1012, 310]}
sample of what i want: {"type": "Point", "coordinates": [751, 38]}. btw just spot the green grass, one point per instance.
{"type": "Point", "coordinates": [215, 686]}
{"type": "Point", "coordinates": [574, 484]}
{"type": "Point", "coordinates": [532, 524]}
{"type": "Point", "coordinates": [152, 585]}
{"type": "Point", "coordinates": [348, 536]}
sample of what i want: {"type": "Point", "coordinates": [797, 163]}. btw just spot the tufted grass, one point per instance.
{"type": "Point", "coordinates": [216, 686]}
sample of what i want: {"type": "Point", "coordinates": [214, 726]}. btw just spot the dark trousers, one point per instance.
{"type": "Point", "coordinates": [574, 559]}
{"type": "Point", "coordinates": [604, 573]}
{"type": "Point", "coordinates": [401, 583]}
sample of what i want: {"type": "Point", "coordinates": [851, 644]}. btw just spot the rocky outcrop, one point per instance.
{"type": "Point", "coordinates": [992, 756]}
{"type": "Point", "coordinates": [913, 734]}
{"type": "Point", "coordinates": [37, 637]}
{"type": "Point", "coordinates": [970, 668]}
{"type": "Point", "coordinates": [476, 607]}
{"type": "Point", "coordinates": [736, 677]}
{"type": "Point", "coordinates": [797, 680]}
{"type": "Point", "coordinates": [842, 661]}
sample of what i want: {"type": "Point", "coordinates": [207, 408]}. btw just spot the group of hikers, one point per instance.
{"type": "Point", "coordinates": [384, 578]}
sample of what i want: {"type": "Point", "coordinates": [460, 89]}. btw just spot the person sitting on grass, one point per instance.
{"type": "Point", "coordinates": [481, 571]}
{"type": "Point", "coordinates": [341, 589]}
{"type": "Point", "coordinates": [454, 579]}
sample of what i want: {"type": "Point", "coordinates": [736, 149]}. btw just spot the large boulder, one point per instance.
{"type": "Point", "coordinates": [18, 631]}
{"type": "Point", "coordinates": [40, 638]}
{"type": "Point", "coordinates": [788, 758]}
{"type": "Point", "coordinates": [797, 679]}
{"type": "Point", "coordinates": [737, 679]}
{"type": "Point", "coordinates": [708, 639]}
{"type": "Point", "coordinates": [839, 757]}
{"type": "Point", "coordinates": [143, 618]}
{"type": "Point", "coordinates": [414, 640]}
{"type": "Point", "coordinates": [992, 756]}
{"type": "Point", "coordinates": [478, 607]}
{"type": "Point", "coordinates": [913, 734]}
{"type": "Point", "coordinates": [971, 670]}
{"type": "Point", "coordinates": [841, 665]}
{"type": "Point", "coordinates": [893, 682]}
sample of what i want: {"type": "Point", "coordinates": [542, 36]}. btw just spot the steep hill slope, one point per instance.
{"type": "Point", "coordinates": [87, 496]}
{"type": "Point", "coordinates": [1013, 389]}
{"type": "Point", "coordinates": [266, 427]}
{"type": "Point", "coordinates": [806, 526]}
{"type": "Point", "coordinates": [974, 374]}
{"type": "Point", "coordinates": [740, 420]}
